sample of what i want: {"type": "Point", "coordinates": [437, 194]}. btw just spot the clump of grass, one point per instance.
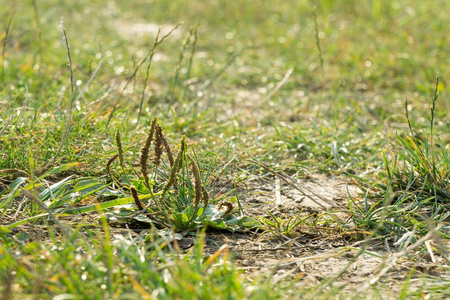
{"type": "Point", "coordinates": [413, 191]}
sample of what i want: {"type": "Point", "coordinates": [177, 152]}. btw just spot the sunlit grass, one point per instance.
{"type": "Point", "coordinates": [302, 86]}
{"type": "Point", "coordinates": [83, 265]}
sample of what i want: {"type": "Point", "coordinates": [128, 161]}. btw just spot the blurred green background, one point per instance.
{"type": "Point", "coordinates": [323, 66]}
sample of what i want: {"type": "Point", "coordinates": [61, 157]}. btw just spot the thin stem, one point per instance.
{"type": "Point", "coordinates": [4, 45]}
{"type": "Point", "coordinates": [68, 119]}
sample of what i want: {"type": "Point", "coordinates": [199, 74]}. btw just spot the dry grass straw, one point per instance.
{"type": "Point", "coordinates": [390, 262]}
{"type": "Point", "coordinates": [303, 190]}
{"type": "Point", "coordinates": [43, 206]}
{"type": "Point", "coordinates": [316, 31]}
{"type": "Point", "coordinates": [68, 118]}
{"type": "Point", "coordinates": [136, 69]}
{"type": "Point", "coordinates": [5, 40]}
{"type": "Point", "coordinates": [6, 125]}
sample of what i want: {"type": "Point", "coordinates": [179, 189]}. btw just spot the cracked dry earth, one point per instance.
{"type": "Point", "coordinates": [313, 251]}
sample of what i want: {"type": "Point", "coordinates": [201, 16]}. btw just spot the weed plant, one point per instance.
{"type": "Point", "coordinates": [176, 189]}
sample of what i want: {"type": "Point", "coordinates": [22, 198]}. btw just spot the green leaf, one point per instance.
{"type": "Point", "coordinates": [18, 182]}
{"type": "Point", "coordinates": [58, 169]}
{"type": "Point", "coordinates": [55, 190]}
{"type": "Point", "coordinates": [4, 229]}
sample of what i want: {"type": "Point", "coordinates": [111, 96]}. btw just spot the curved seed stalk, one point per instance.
{"type": "Point", "coordinates": [119, 147]}
{"type": "Point", "coordinates": [109, 172]}
{"type": "Point", "coordinates": [134, 193]}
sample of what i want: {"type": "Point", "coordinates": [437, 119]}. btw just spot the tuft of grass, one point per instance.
{"type": "Point", "coordinates": [414, 188]}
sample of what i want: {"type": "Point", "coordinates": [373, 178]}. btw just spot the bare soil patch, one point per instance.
{"type": "Point", "coordinates": [312, 253]}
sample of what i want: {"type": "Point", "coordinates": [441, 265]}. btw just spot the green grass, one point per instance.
{"type": "Point", "coordinates": [412, 195]}
{"type": "Point", "coordinates": [303, 87]}
{"type": "Point", "coordinates": [88, 265]}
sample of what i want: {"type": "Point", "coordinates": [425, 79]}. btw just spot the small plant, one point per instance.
{"type": "Point", "coordinates": [174, 192]}
{"type": "Point", "coordinates": [283, 225]}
